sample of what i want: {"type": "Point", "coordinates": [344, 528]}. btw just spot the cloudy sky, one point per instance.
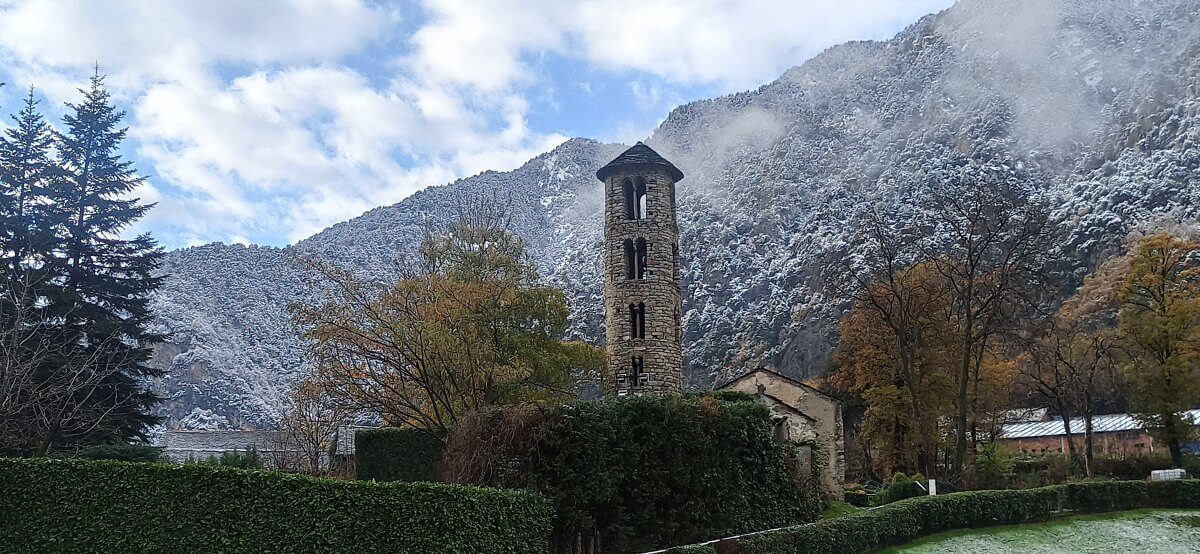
{"type": "Point", "coordinates": [266, 121]}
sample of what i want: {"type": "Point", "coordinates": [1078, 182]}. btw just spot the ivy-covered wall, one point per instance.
{"type": "Point", "coordinates": [395, 454]}
{"type": "Point", "coordinates": [635, 474]}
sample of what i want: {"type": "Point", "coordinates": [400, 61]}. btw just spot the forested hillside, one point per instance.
{"type": "Point", "coordinates": [1094, 103]}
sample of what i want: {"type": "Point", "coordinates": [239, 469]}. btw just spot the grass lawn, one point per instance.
{"type": "Point", "coordinates": [1141, 531]}
{"type": "Point", "coordinates": [839, 509]}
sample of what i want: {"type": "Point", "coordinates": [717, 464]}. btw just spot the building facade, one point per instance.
{"type": "Point", "coordinates": [802, 414]}
{"type": "Point", "coordinates": [642, 293]}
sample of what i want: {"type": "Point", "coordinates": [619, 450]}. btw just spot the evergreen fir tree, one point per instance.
{"type": "Point", "coordinates": [27, 172]}
{"type": "Point", "coordinates": [106, 280]}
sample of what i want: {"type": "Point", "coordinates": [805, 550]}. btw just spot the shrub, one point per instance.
{"type": "Point", "coordinates": [103, 506]}
{"type": "Point", "coordinates": [901, 487]}
{"type": "Point", "coordinates": [858, 498]}
{"type": "Point", "coordinates": [397, 454]}
{"type": "Point", "coordinates": [994, 466]}
{"type": "Point", "coordinates": [123, 453]}
{"type": "Point", "coordinates": [641, 473]}
{"type": "Point", "coordinates": [1051, 469]}
{"type": "Point", "coordinates": [243, 459]}
{"type": "Point", "coordinates": [908, 519]}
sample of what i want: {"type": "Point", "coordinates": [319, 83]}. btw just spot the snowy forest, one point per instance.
{"type": "Point", "coordinates": [1103, 127]}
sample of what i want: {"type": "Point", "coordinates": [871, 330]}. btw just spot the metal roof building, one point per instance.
{"type": "Point", "coordinates": [1108, 423]}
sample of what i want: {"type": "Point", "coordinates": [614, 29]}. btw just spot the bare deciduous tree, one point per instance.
{"type": "Point", "coordinates": [54, 383]}
{"type": "Point", "coordinates": [308, 430]}
{"type": "Point", "coordinates": [988, 238]}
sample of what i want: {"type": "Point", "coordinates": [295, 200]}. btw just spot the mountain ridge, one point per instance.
{"type": "Point", "coordinates": [1093, 102]}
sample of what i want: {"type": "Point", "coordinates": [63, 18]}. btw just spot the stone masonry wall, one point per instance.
{"type": "Point", "coordinates": [821, 420]}
{"type": "Point", "coordinates": [659, 289]}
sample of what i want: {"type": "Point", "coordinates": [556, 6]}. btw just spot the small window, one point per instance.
{"type": "Point", "coordinates": [782, 430]}
{"type": "Point", "coordinates": [637, 320]}
{"type": "Point", "coordinates": [631, 271]}
{"type": "Point", "coordinates": [629, 200]}
{"type": "Point", "coordinates": [639, 196]}
{"type": "Point", "coordinates": [638, 372]}
{"type": "Point", "coordinates": [640, 259]}
{"type": "Point", "coordinates": [675, 260]}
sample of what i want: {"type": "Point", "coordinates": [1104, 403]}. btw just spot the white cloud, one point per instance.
{"type": "Point", "coordinates": [735, 44]}
{"type": "Point", "coordinates": [155, 39]}
{"type": "Point", "coordinates": [269, 120]}
{"type": "Point", "coordinates": [320, 142]}
{"type": "Point", "coordinates": [294, 140]}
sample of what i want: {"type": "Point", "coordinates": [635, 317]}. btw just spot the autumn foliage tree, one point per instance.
{"type": "Point", "coordinates": [893, 354]}
{"type": "Point", "coordinates": [1159, 323]}
{"type": "Point", "coordinates": [1071, 355]}
{"type": "Point", "coordinates": [988, 237]}
{"type": "Point", "coordinates": [943, 281]}
{"type": "Point", "coordinates": [466, 327]}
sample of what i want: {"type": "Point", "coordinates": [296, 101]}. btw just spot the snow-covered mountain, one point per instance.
{"type": "Point", "coordinates": [1096, 101]}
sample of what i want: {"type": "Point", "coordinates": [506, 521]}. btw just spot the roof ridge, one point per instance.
{"type": "Point", "coordinates": [639, 155]}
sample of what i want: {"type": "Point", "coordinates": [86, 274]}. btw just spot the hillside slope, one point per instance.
{"type": "Point", "coordinates": [1096, 101]}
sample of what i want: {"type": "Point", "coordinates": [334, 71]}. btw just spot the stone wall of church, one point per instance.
{"type": "Point", "coordinates": [810, 416]}
{"type": "Point", "coordinates": [658, 289]}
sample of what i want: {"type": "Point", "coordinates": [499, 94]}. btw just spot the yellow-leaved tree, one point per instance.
{"type": "Point", "coordinates": [1159, 322]}
{"type": "Point", "coordinates": [467, 326]}
{"type": "Point", "coordinates": [894, 352]}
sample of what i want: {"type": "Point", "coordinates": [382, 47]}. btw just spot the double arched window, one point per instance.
{"type": "Point", "coordinates": [635, 259]}
{"type": "Point", "coordinates": [637, 320]}
{"type": "Point", "coordinates": [635, 198]}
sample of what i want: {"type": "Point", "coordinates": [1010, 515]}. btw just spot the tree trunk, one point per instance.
{"type": "Point", "coordinates": [1065, 413]}
{"type": "Point", "coordinates": [44, 445]}
{"type": "Point", "coordinates": [1173, 444]}
{"type": "Point", "coordinates": [960, 430]}
{"type": "Point", "coordinates": [1087, 434]}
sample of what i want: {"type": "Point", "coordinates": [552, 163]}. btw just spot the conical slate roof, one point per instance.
{"type": "Point", "coordinates": [639, 155]}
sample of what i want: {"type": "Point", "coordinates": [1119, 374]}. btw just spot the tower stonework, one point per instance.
{"type": "Point", "coordinates": [642, 291]}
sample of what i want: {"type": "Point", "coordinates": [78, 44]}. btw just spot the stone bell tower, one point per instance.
{"type": "Point", "coordinates": [642, 294]}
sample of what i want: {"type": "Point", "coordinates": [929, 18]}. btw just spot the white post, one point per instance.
{"type": "Point", "coordinates": [932, 487]}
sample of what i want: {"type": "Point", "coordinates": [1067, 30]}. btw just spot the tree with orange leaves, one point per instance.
{"type": "Point", "coordinates": [468, 326]}
{"type": "Point", "coordinates": [893, 353]}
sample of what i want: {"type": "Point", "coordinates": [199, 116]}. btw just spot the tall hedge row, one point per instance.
{"type": "Point", "coordinates": [396, 454]}
{"type": "Point", "coordinates": [105, 506]}
{"type": "Point", "coordinates": [906, 520]}
{"type": "Point", "coordinates": [634, 474]}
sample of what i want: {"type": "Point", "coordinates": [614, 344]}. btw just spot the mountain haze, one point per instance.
{"type": "Point", "coordinates": [1096, 104]}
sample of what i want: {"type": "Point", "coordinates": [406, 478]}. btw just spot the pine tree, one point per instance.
{"type": "Point", "coordinates": [106, 280]}
{"type": "Point", "coordinates": [27, 172]}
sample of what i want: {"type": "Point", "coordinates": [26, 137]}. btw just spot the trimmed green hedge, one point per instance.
{"type": "Point", "coordinates": [906, 520]}
{"type": "Point", "coordinates": [103, 506]}
{"type": "Point", "coordinates": [396, 454]}
{"type": "Point", "coordinates": [634, 474]}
